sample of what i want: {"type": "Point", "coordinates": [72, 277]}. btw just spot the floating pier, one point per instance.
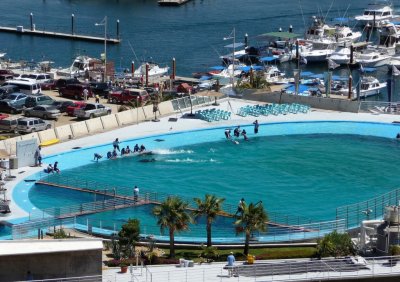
{"type": "Point", "coordinates": [20, 30]}
{"type": "Point", "coordinates": [172, 2]}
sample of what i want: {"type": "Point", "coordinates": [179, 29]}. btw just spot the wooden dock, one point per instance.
{"type": "Point", "coordinates": [21, 31]}
{"type": "Point", "coordinates": [172, 2]}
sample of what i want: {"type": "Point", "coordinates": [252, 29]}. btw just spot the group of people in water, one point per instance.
{"type": "Point", "coordinates": [237, 132]}
{"type": "Point", "coordinates": [52, 168]}
{"type": "Point", "coordinates": [124, 151]}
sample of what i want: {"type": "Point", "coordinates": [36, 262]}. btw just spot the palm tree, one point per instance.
{"type": "Point", "coordinates": [172, 214]}
{"type": "Point", "coordinates": [210, 207]}
{"type": "Point", "coordinates": [252, 219]}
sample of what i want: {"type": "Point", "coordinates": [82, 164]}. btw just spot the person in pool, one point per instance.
{"type": "Point", "coordinates": [123, 152]}
{"type": "Point", "coordinates": [55, 167]}
{"type": "Point", "coordinates": [109, 155]}
{"type": "Point", "coordinates": [244, 134]}
{"type": "Point", "coordinates": [236, 132]}
{"type": "Point", "coordinates": [136, 148]}
{"type": "Point", "coordinates": [142, 148]}
{"type": "Point", "coordinates": [127, 150]}
{"type": "Point", "coordinates": [228, 133]}
{"type": "Point", "coordinates": [97, 157]}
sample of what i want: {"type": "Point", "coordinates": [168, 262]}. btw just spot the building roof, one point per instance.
{"type": "Point", "coordinates": [29, 247]}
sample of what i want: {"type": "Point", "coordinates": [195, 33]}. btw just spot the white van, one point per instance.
{"type": "Point", "coordinates": [37, 77]}
{"type": "Point", "coordinates": [26, 86]}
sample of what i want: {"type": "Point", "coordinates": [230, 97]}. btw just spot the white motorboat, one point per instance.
{"type": "Point", "coordinates": [80, 66]}
{"type": "Point", "coordinates": [372, 57]}
{"type": "Point", "coordinates": [318, 53]}
{"type": "Point", "coordinates": [154, 70]}
{"type": "Point", "coordinates": [274, 76]}
{"type": "Point", "coordinates": [376, 13]}
{"type": "Point", "coordinates": [230, 71]}
{"type": "Point", "coordinates": [370, 86]}
{"type": "Point", "coordinates": [341, 56]}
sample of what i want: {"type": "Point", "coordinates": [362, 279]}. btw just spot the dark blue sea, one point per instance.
{"type": "Point", "coordinates": [192, 33]}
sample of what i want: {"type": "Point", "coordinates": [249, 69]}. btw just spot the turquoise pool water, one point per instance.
{"type": "Point", "coordinates": [299, 169]}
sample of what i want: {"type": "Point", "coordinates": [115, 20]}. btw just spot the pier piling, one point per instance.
{"type": "Point", "coordinates": [31, 16]}
{"type": "Point", "coordinates": [147, 74]}
{"type": "Point", "coordinates": [173, 68]}
{"type": "Point", "coordinates": [118, 29]}
{"type": "Point", "coordinates": [72, 24]}
{"type": "Point", "coordinates": [246, 40]}
{"type": "Point", "coordinates": [132, 67]}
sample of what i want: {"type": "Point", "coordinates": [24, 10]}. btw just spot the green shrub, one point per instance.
{"type": "Point", "coordinates": [60, 234]}
{"type": "Point", "coordinates": [394, 250]}
{"type": "Point", "coordinates": [335, 244]}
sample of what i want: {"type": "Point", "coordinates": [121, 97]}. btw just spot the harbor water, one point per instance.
{"type": "Point", "coordinates": [192, 33]}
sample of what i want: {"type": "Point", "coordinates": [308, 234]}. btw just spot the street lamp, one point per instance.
{"type": "Point", "coordinates": [104, 23]}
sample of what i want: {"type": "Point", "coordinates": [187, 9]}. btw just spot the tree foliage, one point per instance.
{"type": "Point", "coordinates": [128, 236]}
{"type": "Point", "coordinates": [252, 219]}
{"type": "Point", "coordinates": [209, 207]}
{"type": "Point", "coordinates": [335, 244]}
{"type": "Point", "coordinates": [172, 214]}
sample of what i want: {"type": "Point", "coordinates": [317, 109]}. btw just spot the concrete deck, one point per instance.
{"type": "Point", "coordinates": [182, 124]}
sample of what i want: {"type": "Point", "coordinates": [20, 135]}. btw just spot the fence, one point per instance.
{"type": "Point", "coordinates": [190, 101]}
{"type": "Point", "coordinates": [379, 107]}
{"type": "Point", "coordinates": [288, 270]}
{"type": "Point", "coordinates": [374, 208]}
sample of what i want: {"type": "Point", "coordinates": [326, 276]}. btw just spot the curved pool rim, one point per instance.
{"type": "Point", "coordinates": [376, 129]}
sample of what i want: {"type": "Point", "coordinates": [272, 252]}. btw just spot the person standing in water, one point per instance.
{"type": "Point", "coordinates": [256, 125]}
{"type": "Point", "coordinates": [228, 133]}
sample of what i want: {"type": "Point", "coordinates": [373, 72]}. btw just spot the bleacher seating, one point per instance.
{"type": "Point", "coordinates": [213, 114]}
{"type": "Point", "coordinates": [272, 109]}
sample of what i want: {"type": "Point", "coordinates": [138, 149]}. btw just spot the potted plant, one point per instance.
{"type": "Point", "coordinates": [124, 267]}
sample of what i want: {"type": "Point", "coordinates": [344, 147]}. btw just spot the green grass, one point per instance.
{"type": "Point", "coordinates": [260, 253]}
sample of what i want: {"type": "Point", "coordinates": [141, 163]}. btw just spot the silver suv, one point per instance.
{"type": "Point", "coordinates": [28, 125]}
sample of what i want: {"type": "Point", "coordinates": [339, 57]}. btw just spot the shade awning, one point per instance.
{"type": "Point", "coordinates": [268, 59]}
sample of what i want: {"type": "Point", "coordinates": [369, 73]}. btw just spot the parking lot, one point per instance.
{"type": "Point", "coordinates": [64, 118]}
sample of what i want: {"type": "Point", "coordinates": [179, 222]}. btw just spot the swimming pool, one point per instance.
{"type": "Point", "coordinates": [302, 169]}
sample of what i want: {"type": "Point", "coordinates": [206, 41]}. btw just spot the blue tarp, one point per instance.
{"type": "Point", "coordinates": [205, 77]}
{"type": "Point", "coordinates": [340, 78]}
{"type": "Point", "coordinates": [320, 75]}
{"type": "Point", "coordinates": [306, 73]}
{"type": "Point", "coordinates": [268, 59]}
{"type": "Point", "coordinates": [217, 68]}
{"type": "Point", "coordinates": [302, 88]}
{"type": "Point", "coordinates": [247, 68]}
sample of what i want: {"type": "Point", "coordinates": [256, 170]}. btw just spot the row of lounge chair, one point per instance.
{"type": "Point", "coordinates": [213, 114]}
{"type": "Point", "coordinates": [273, 109]}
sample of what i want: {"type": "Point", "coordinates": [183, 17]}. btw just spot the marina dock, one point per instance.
{"type": "Point", "coordinates": [172, 2]}
{"type": "Point", "coordinates": [72, 36]}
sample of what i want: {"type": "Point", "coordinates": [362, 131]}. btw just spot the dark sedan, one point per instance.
{"type": "Point", "coordinates": [62, 105]}
{"type": "Point", "coordinates": [6, 107]}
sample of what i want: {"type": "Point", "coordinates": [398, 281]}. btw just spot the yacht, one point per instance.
{"type": "Point", "coordinates": [372, 57]}
{"type": "Point", "coordinates": [154, 70]}
{"type": "Point", "coordinates": [318, 53]}
{"type": "Point", "coordinates": [80, 66]}
{"type": "Point", "coordinates": [376, 13]}
{"type": "Point", "coordinates": [370, 86]}
{"type": "Point", "coordinates": [341, 56]}
{"type": "Point", "coordinates": [274, 76]}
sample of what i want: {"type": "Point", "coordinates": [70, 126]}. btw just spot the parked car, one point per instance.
{"type": "Point", "coordinates": [43, 111]}
{"type": "Point", "coordinates": [16, 99]}
{"type": "Point", "coordinates": [49, 84]}
{"type": "Point", "coordinates": [6, 107]}
{"type": "Point", "coordinates": [92, 110]}
{"type": "Point", "coordinates": [75, 91]}
{"type": "Point", "coordinates": [32, 101]}
{"type": "Point", "coordinates": [76, 105]}
{"type": "Point", "coordinates": [62, 82]}
{"type": "Point", "coordinates": [129, 94]}
{"type": "Point", "coordinates": [7, 89]}
{"type": "Point", "coordinates": [62, 105]}
{"type": "Point", "coordinates": [100, 88]}
{"type": "Point", "coordinates": [5, 77]}
{"type": "Point", "coordinates": [28, 125]}
{"type": "Point", "coordinates": [9, 124]}
{"type": "Point", "coordinates": [36, 77]}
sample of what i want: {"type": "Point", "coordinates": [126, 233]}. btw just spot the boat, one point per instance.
{"type": "Point", "coordinates": [372, 57]}
{"type": "Point", "coordinates": [154, 70]}
{"type": "Point", "coordinates": [274, 76]}
{"type": "Point", "coordinates": [370, 86]}
{"type": "Point", "coordinates": [318, 53]}
{"type": "Point", "coordinates": [376, 13]}
{"type": "Point", "coordinates": [81, 66]}
{"type": "Point", "coordinates": [171, 2]}
{"type": "Point", "coordinates": [341, 56]}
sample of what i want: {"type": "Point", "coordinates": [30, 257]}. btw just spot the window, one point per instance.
{"type": "Point", "coordinates": [36, 121]}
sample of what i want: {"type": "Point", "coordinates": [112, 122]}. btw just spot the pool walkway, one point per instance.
{"type": "Point", "coordinates": [165, 125]}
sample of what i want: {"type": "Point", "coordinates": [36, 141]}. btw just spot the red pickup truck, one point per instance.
{"type": "Point", "coordinates": [129, 94]}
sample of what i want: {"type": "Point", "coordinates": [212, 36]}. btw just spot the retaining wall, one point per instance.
{"type": "Point", "coordinates": [94, 125]}
{"type": "Point", "coordinates": [64, 132]}
{"type": "Point", "coordinates": [47, 135]}
{"type": "Point", "coordinates": [79, 129]}
{"type": "Point", "coordinates": [109, 122]}
{"type": "Point", "coordinates": [334, 104]}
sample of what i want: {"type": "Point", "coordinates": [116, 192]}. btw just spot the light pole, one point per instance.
{"type": "Point", "coordinates": [104, 23]}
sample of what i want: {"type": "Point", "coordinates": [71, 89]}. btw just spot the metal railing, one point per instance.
{"type": "Point", "coordinates": [377, 107]}
{"type": "Point", "coordinates": [373, 208]}
{"type": "Point", "coordinates": [190, 101]}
